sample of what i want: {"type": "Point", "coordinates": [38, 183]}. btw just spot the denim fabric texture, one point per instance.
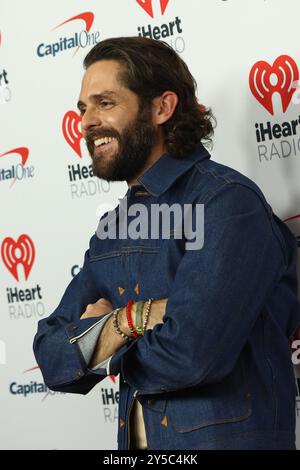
{"type": "Point", "coordinates": [217, 374]}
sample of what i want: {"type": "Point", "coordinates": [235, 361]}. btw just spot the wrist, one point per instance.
{"type": "Point", "coordinates": [143, 320]}
{"type": "Point", "coordinates": [123, 321]}
{"type": "Point", "coordinates": [146, 314]}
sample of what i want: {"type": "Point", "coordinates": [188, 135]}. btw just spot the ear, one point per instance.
{"type": "Point", "coordinates": [163, 107]}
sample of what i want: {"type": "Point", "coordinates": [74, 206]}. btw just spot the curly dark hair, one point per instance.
{"type": "Point", "coordinates": [151, 68]}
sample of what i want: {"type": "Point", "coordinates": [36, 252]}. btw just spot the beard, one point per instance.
{"type": "Point", "coordinates": [135, 143]}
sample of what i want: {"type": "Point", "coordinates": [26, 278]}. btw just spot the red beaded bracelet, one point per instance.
{"type": "Point", "coordinates": [129, 319]}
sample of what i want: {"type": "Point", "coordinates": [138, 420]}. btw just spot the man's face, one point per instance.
{"type": "Point", "coordinates": [119, 136]}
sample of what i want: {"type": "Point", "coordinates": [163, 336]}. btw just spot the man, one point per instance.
{"type": "Point", "coordinates": [198, 334]}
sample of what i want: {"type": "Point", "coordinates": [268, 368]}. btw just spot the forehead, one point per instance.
{"type": "Point", "coordinates": [102, 75]}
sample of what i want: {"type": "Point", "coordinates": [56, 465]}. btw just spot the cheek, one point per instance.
{"type": "Point", "coordinates": [120, 118]}
{"type": "Point", "coordinates": [113, 120]}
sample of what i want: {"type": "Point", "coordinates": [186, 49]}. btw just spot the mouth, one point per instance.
{"type": "Point", "coordinates": [103, 144]}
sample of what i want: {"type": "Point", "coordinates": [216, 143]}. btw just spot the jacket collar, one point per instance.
{"type": "Point", "coordinates": [165, 171]}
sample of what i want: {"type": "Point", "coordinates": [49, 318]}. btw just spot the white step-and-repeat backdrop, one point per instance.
{"type": "Point", "coordinates": [245, 56]}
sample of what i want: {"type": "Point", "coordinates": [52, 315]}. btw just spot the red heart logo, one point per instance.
{"type": "Point", "coordinates": [71, 132]}
{"type": "Point", "coordinates": [25, 254]}
{"type": "Point", "coordinates": [163, 5]}
{"type": "Point", "coordinates": [147, 6]}
{"type": "Point", "coordinates": [282, 78]}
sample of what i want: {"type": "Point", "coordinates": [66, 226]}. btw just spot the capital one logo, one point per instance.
{"type": "Point", "coordinates": [20, 252]}
{"type": "Point", "coordinates": [81, 39]}
{"type": "Point", "coordinates": [295, 219]}
{"type": "Point", "coordinates": [281, 77]}
{"type": "Point", "coordinates": [70, 128]}
{"type": "Point", "coordinates": [22, 152]}
{"type": "Point", "coordinates": [147, 5]}
{"type": "Point", "coordinates": [88, 19]}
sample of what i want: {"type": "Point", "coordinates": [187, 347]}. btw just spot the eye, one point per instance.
{"type": "Point", "coordinates": [81, 111]}
{"type": "Point", "coordinates": [106, 104]}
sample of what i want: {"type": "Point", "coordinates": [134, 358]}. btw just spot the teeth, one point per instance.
{"type": "Point", "coordinates": [103, 140]}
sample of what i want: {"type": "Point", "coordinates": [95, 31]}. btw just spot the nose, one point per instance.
{"type": "Point", "coordinates": [90, 119]}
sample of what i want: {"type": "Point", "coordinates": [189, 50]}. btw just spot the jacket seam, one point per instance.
{"type": "Point", "coordinates": [128, 251]}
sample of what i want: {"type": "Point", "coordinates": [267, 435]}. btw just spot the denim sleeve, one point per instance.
{"type": "Point", "coordinates": [216, 297]}
{"type": "Point", "coordinates": [87, 343]}
{"type": "Point", "coordinates": [60, 359]}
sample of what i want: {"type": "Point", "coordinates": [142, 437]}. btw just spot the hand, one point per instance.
{"type": "Point", "coordinates": [157, 312]}
{"type": "Point", "coordinates": [98, 309]}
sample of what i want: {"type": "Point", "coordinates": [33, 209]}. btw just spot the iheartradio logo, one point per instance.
{"type": "Point", "coordinates": [71, 131]}
{"type": "Point", "coordinates": [281, 77]}
{"type": "Point", "coordinates": [147, 5]}
{"type": "Point", "coordinates": [18, 252]}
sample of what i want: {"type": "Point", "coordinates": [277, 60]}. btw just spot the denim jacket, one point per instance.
{"type": "Point", "coordinates": [217, 374]}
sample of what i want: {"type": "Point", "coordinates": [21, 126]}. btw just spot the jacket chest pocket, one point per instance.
{"type": "Point", "coordinates": [136, 271]}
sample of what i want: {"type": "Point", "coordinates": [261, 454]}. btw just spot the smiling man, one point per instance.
{"type": "Point", "coordinates": [200, 338]}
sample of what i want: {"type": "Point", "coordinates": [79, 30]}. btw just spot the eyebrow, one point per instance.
{"type": "Point", "coordinates": [97, 97]}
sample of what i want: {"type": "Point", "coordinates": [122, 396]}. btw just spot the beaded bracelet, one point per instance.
{"type": "Point", "coordinates": [139, 317]}
{"type": "Point", "coordinates": [116, 325]}
{"type": "Point", "coordinates": [129, 319]}
{"type": "Point", "coordinates": [147, 314]}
